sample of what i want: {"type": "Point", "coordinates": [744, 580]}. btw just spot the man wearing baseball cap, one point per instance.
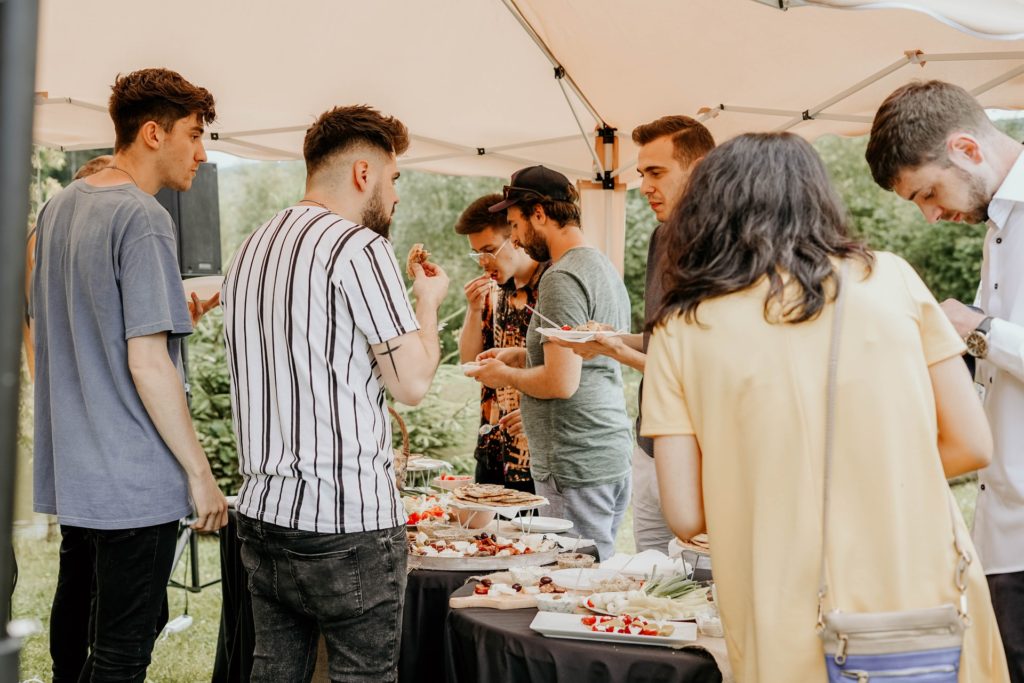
{"type": "Point", "coordinates": [573, 410]}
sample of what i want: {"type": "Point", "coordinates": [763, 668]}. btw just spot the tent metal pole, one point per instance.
{"type": "Point", "coordinates": [257, 147]}
{"type": "Point", "coordinates": [72, 101]}
{"type": "Point", "coordinates": [565, 170]}
{"type": "Point", "coordinates": [487, 151]}
{"type": "Point", "coordinates": [514, 10]}
{"type": "Point", "coordinates": [999, 80]}
{"type": "Point", "coordinates": [967, 56]}
{"type": "Point", "coordinates": [19, 24]}
{"type": "Point", "coordinates": [851, 118]}
{"type": "Point", "coordinates": [599, 166]}
{"type": "Point", "coordinates": [538, 143]}
{"type": "Point", "coordinates": [857, 87]}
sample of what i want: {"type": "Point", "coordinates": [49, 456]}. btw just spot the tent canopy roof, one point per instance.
{"type": "Point", "coordinates": [481, 97]}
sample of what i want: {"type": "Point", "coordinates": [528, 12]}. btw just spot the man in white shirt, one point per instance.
{"type": "Point", "coordinates": [933, 145]}
{"type": "Point", "coordinates": [318, 324]}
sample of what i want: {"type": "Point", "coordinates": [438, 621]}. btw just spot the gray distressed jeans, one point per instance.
{"type": "Point", "coordinates": [349, 587]}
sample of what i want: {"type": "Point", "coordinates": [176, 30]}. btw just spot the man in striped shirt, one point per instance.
{"type": "Point", "coordinates": [318, 324]}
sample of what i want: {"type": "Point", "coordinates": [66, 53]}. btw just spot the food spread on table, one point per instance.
{"type": "Point", "coordinates": [496, 495]}
{"type": "Point", "coordinates": [480, 545]}
{"type": "Point", "coordinates": [627, 624]}
{"type": "Point", "coordinates": [426, 508]}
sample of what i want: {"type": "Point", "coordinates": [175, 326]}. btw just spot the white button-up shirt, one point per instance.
{"type": "Point", "coordinates": [999, 517]}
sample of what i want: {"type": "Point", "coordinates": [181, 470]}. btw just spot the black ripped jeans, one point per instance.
{"type": "Point", "coordinates": [110, 603]}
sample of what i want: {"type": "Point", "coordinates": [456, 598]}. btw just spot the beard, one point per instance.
{"type": "Point", "coordinates": [375, 216]}
{"type": "Point", "coordinates": [535, 246]}
{"type": "Point", "coordinates": [977, 197]}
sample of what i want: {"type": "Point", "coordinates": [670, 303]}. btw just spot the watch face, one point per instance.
{"type": "Point", "coordinates": [977, 344]}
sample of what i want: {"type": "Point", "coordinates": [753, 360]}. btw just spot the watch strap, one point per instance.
{"type": "Point", "coordinates": [985, 325]}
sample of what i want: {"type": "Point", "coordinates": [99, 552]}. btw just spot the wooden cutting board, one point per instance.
{"type": "Point", "coordinates": [494, 601]}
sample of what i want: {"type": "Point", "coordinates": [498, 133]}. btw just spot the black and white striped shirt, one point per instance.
{"type": "Point", "coordinates": [304, 298]}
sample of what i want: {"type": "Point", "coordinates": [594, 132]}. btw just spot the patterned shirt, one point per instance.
{"type": "Point", "coordinates": [505, 321]}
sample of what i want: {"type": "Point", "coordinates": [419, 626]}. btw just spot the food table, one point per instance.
{"type": "Point", "coordinates": [483, 644]}
{"type": "Point", "coordinates": [426, 608]}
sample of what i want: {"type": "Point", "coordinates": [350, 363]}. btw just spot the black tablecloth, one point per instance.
{"type": "Point", "coordinates": [236, 640]}
{"type": "Point", "coordinates": [498, 645]}
{"type": "Point", "coordinates": [426, 607]}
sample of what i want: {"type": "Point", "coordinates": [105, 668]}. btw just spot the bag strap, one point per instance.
{"type": "Point", "coordinates": [959, 543]}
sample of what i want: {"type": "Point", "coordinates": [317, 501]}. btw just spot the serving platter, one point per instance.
{"type": "Point", "coordinates": [485, 563]}
{"type": "Point", "coordinates": [541, 525]}
{"type": "Point", "coordinates": [569, 626]}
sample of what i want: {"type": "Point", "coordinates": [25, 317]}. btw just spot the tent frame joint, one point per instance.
{"type": "Point", "coordinates": [559, 72]}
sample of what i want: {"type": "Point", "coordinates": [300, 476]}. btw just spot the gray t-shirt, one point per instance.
{"type": "Point", "coordinates": [106, 270]}
{"type": "Point", "coordinates": [584, 440]}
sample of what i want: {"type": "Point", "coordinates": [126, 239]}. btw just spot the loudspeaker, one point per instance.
{"type": "Point", "coordinates": [196, 216]}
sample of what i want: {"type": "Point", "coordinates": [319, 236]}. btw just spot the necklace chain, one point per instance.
{"type": "Point", "coordinates": [115, 168]}
{"type": "Point", "coordinates": [313, 201]}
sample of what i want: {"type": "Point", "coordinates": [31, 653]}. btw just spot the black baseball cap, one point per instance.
{"type": "Point", "coordinates": [535, 181]}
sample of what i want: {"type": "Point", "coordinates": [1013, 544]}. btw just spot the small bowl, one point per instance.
{"type": "Point", "coordinates": [574, 560]}
{"type": "Point", "coordinates": [457, 482]}
{"type": "Point", "coordinates": [557, 602]}
{"type": "Point", "coordinates": [474, 519]}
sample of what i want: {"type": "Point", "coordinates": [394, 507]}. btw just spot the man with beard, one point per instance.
{"type": "Point", "coordinates": [669, 150]}
{"type": "Point", "coordinates": [573, 411]}
{"type": "Point", "coordinates": [498, 316]}
{"type": "Point", "coordinates": [317, 324]}
{"type": "Point", "coordinates": [933, 145]}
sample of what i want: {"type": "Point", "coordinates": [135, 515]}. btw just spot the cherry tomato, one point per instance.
{"type": "Point", "coordinates": [589, 621]}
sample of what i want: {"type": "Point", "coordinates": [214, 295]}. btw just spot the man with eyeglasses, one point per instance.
{"type": "Point", "coordinates": [497, 317]}
{"type": "Point", "coordinates": [574, 411]}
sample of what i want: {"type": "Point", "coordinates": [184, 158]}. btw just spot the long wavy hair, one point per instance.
{"type": "Point", "coordinates": [759, 206]}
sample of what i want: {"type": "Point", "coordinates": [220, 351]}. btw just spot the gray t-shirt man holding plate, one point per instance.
{"type": "Point", "coordinates": [574, 412]}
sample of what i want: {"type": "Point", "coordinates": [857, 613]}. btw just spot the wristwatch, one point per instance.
{"type": "Point", "coordinates": [977, 339]}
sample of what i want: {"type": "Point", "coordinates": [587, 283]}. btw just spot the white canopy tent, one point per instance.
{"type": "Point", "coordinates": [489, 86]}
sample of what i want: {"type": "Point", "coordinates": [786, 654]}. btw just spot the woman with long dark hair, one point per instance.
{"type": "Point", "coordinates": [735, 396]}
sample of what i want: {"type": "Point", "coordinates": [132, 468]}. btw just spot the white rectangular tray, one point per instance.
{"type": "Point", "coordinates": [556, 625]}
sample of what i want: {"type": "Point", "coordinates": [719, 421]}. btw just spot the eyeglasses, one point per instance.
{"type": "Point", "coordinates": [481, 256]}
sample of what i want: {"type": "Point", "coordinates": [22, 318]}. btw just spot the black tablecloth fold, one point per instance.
{"type": "Point", "coordinates": [497, 645]}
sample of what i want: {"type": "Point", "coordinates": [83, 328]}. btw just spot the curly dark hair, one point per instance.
{"type": "Point", "coordinates": [911, 127]}
{"type": "Point", "coordinates": [159, 95]}
{"type": "Point", "coordinates": [562, 212]}
{"type": "Point", "coordinates": [339, 129]}
{"type": "Point", "coordinates": [759, 206]}
{"type": "Point", "coordinates": [477, 217]}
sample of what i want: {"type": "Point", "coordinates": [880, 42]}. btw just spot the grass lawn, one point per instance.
{"type": "Point", "coordinates": [185, 657]}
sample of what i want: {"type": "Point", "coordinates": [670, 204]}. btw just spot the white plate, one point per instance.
{"type": "Point", "coordinates": [580, 579]}
{"type": "Point", "coordinates": [577, 336]}
{"type": "Point", "coordinates": [426, 465]}
{"type": "Point", "coordinates": [602, 598]}
{"type": "Point", "coordinates": [555, 625]}
{"type": "Point", "coordinates": [542, 525]}
{"type": "Point", "coordinates": [204, 287]}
